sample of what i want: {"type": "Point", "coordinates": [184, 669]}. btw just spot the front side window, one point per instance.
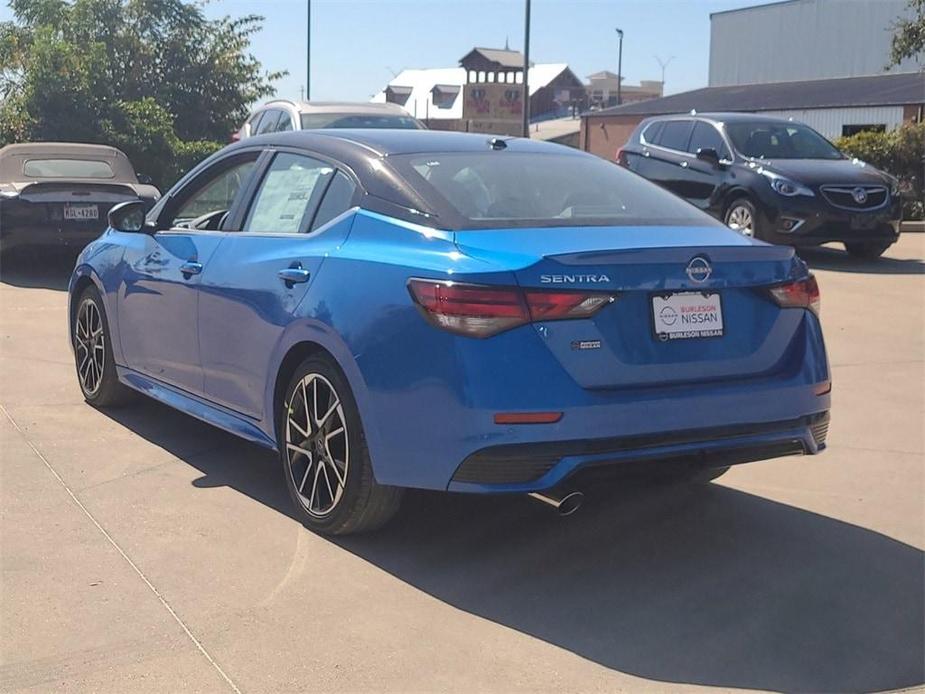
{"type": "Point", "coordinates": [531, 189]}
{"type": "Point", "coordinates": [67, 168]}
{"type": "Point", "coordinates": [317, 121]}
{"type": "Point", "coordinates": [773, 140]}
{"type": "Point", "coordinates": [269, 122]}
{"type": "Point", "coordinates": [288, 195]}
{"type": "Point", "coordinates": [706, 136]}
{"type": "Point", "coordinates": [213, 198]}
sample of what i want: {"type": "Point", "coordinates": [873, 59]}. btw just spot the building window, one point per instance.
{"type": "Point", "coordinates": [847, 130]}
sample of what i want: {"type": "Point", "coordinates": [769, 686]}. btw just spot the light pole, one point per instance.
{"type": "Point", "coordinates": [620, 69]}
{"type": "Point", "coordinates": [663, 64]}
{"type": "Point", "coordinates": [526, 107]}
{"type": "Point", "coordinates": [308, 49]}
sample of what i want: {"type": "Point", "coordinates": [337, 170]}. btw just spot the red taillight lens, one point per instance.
{"type": "Point", "coordinates": [621, 157]}
{"type": "Point", "coordinates": [800, 294]}
{"type": "Point", "coordinates": [482, 311]}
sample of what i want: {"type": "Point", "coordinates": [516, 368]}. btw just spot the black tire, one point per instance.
{"type": "Point", "coordinates": [90, 335]}
{"type": "Point", "coordinates": [707, 474]}
{"type": "Point", "coordinates": [347, 498]}
{"type": "Point", "coordinates": [743, 205]}
{"type": "Point", "coordinates": [869, 250]}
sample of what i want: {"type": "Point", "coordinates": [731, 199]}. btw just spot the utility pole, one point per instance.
{"type": "Point", "coordinates": [620, 69]}
{"type": "Point", "coordinates": [308, 49]}
{"type": "Point", "coordinates": [526, 109]}
{"type": "Point", "coordinates": [663, 64]}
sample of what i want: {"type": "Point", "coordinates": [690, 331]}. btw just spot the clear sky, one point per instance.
{"type": "Point", "coordinates": [357, 44]}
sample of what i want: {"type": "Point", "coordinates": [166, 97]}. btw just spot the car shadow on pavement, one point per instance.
{"type": "Point", "coordinates": [676, 583]}
{"type": "Point", "coordinates": [836, 260]}
{"type": "Point", "coordinates": [51, 270]}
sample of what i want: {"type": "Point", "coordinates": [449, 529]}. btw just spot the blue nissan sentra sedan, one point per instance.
{"type": "Point", "coordinates": [394, 309]}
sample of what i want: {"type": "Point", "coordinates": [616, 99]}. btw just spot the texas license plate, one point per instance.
{"type": "Point", "coordinates": [687, 315]}
{"type": "Point", "coordinates": [81, 212]}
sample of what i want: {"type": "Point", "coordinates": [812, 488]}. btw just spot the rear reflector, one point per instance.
{"type": "Point", "coordinates": [800, 294]}
{"type": "Point", "coordinates": [823, 388]}
{"type": "Point", "coordinates": [479, 310]}
{"type": "Point", "coordinates": [527, 417]}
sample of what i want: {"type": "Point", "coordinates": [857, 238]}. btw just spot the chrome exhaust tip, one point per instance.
{"type": "Point", "coordinates": [565, 504]}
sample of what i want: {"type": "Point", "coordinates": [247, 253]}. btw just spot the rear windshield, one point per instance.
{"type": "Point", "coordinates": [67, 168]}
{"type": "Point", "coordinates": [501, 188]}
{"type": "Point", "coordinates": [770, 140]}
{"type": "Point", "coordinates": [316, 121]}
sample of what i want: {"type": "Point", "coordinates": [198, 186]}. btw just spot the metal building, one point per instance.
{"type": "Point", "coordinates": [803, 40]}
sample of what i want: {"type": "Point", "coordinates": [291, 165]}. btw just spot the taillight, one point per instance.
{"type": "Point", "coordinates": [799, 294]}
{"type": "Point", "coordinates": [621, 156]}
{"type": "Point", "coordinates": [479, 310]}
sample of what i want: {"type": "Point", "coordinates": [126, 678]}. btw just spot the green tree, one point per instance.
{"type": "Point", "coordinates": [909, 34]}
{"type": "Point", "coordinates": [153, 77]}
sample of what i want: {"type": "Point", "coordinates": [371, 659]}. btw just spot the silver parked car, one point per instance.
{"type": "Point", "coordinates": [281, 115]}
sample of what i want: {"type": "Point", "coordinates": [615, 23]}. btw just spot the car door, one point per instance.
{"type": "Point", "coordinates": [261, 273]}
{"type": "Point", "coordinates": [158, 302]}
{"type": "Point", "coordinates": [668, 159]}
{"type": "Point", "coordinates": [703, 180]}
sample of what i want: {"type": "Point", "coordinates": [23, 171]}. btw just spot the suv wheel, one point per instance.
{"type": "Point", "coordinates": [325, 461]}
{"type": "Point", "coordinates": [742, 216]}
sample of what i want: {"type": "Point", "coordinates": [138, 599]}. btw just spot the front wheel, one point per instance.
{"type": "Point", "coordinates": [96, 368]}
{"type": "Point", "coordinates": [742, 216]}
{"type": "Point", "coordinates": [869, 250]}
{"type": "Point", "coordinates": [325, 461]}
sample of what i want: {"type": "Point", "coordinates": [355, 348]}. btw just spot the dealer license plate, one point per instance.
{"type": "Point", "coordinates": [81, 212]}
{"type": "Point", "coordinates": [687, 315]}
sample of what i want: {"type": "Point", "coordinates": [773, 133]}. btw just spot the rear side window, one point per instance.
{"type": "Point", "coordinates": [504, 189]}
{"type": "Point", "coordinates": [67, 168]}
{"type": "Point", "coordinates": [676, 134]}
{"type": "Point", "coordinates": [336, 200]}
{"type": "Point", "coordinates": [285, 122]}
{"type": "Point", "coordinates": [706, 136]}
{"type": "Point", "coordinates": [288, 195]}
{"type": "Point", "coordinates": [652, 132]}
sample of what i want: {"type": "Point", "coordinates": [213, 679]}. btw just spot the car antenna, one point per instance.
{"type": "Point", "coordinates": [497, 143]}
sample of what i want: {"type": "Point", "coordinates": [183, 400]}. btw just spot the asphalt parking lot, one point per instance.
{"type": "Point", "coordinates": [145, 551]}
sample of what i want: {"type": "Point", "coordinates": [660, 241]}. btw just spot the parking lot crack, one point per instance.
{"type": "Point", "coordinates": [167, 606]}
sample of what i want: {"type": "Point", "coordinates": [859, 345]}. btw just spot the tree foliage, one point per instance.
{"type": "Point", "coordinates": [909, 34]}
{"type": "Point", "coordinates": [153, 77]}
{"type": "Point", "coordinates": [900, 152]}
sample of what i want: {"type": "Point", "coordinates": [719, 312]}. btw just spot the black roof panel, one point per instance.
{"type": "Point", "coordinates": [874, 90]}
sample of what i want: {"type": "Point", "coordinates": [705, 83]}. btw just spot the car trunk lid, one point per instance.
{"type": "Point", "coordinates": [643, 268]}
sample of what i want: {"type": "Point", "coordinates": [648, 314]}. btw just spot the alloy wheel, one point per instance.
{"type": "Point", "coordinates": [740, 219]}
{"type": "Point", "coordinates": [90, 346]}
{"type": "Point", "coordinates": [317, 448]}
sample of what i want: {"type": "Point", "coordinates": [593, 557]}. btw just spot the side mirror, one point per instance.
{"type": "Point", "coordinates": [127, 216]}
{"type": "Point", "coordinates": [708, 155]}
{"type": "Point", "coordinates": [144, 179]}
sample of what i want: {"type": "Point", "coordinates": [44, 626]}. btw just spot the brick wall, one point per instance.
{"type": "Point", "coordinates": [604, 135]}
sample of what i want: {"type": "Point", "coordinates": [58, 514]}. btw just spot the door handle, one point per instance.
{"type": "Point", "coordinates": [190, 268]}
{"type": "Point", "coordinates": [293, 275]}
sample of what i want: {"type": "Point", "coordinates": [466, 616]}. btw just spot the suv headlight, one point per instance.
{"type": "Point", "coordinates": [784, 186]}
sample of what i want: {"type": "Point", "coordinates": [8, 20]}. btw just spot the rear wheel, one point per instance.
{"type": "Point", "coordinates": [325, 461]}
{"type": "Point", "coordinates": [96, 369]}
{"type": "Point", "coordinates": [867, 249]}
{"type": "Point", "coordinates": [742, 216]}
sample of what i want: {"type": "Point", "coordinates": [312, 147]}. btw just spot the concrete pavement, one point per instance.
{"type": "Point", "coordinates": [142, 550]}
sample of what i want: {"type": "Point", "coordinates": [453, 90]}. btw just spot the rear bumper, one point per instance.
{"type": "Point", "coordinates": [525, 467]}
